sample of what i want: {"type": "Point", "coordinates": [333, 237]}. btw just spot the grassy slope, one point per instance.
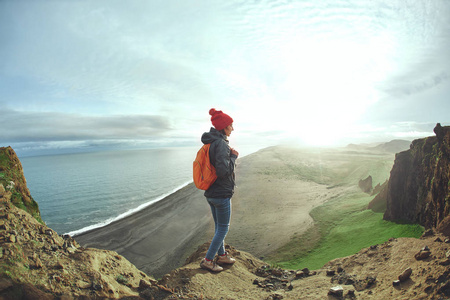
{"type": "Point", "coordinates": [343, 226]}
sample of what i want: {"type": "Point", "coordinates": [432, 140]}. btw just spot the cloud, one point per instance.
{"type": "Point", "coordinates": [105, 72]}
{"type": "Point", "coordinates": [53, 126]}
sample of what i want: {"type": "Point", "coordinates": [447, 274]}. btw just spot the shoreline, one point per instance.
{"type": "Point", "coordinates": [159, 237]}
{"type": "Point", "coordinates": [126, 214]}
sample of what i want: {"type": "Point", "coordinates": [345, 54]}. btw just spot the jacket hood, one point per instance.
{"type": "Point", "coordinates": [212, 135]}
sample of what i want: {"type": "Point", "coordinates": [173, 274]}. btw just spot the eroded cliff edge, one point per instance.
{"type": "Point", "coordinates": [419, 186]}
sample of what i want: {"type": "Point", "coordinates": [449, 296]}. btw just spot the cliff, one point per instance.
{"type": "Point", "coordinates": [13, 185]}
{"type": "Point", "coordinates": [419, 185]}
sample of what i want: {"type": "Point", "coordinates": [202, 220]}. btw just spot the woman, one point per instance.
{"type": "Point", "coordinates": [219, 194]}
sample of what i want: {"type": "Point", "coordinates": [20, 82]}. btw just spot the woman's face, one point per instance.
{"type": "Point", "coordinates": [228, 129]}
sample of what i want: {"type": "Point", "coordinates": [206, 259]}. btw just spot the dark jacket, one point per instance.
{"type": "Point", "coordinates": [224, 162]}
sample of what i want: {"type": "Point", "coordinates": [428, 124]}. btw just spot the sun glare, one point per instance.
{"type": "Point", "coordinates": [329, 85]}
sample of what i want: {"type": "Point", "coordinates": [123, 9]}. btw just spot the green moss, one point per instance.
{"type": "Point", "coordinates": [342, 227]}
{"type": "Point", "coordinates": [122, 279]}
{"type": "Point", "coordinates": [355, 231]}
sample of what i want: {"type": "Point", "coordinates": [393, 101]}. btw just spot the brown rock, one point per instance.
{"type": "Point", "coordinates": [405, 275]}
{"type": "Point", "coordinates": [12, 238]}
{"type": "Point", "coordinates": [277, 272]}
{"type": "Point", "coordinates": [299, 274]}
{"type": "Point", "coordinates": [445, 262]}
{"type": "Point", "coordinates": [37, 262]}
{"type": "Point", "coordinates": [3, 226]}
{"type": "Point", "coordinates": [422, 254]}
{"type": "Point", "coordinates": [366, 184]}
{"type": "Point", "coordinates": [144, 284]}
{"type": "Point", "coordinates": [336, 291]}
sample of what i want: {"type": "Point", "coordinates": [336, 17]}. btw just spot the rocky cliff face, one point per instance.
{"type": "Point", "coordinates": [13, 185]}
{"type": "Point", "coordinates": [419, 185]}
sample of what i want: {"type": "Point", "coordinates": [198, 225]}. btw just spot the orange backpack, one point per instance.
{"type": "Point", "coordinates": [204, 172]}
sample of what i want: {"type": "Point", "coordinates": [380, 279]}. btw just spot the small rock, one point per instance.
{"type": "Point", "coordinates": [97, 286]}
{"type": "Point", "coordinates": [438, 240]}
{"type": "Point", "coordinates": [447, 254]}
{"type": "Point", "coordinates": [428, 289]}
{"type": "Point", "coordinates": [185, 280]}
{"type": "Point", "coordinates": [336, 291]}
{"type": "Point", "coordinates": [58, 266]}
{"type": "Point", "coordinates": [422, 254]}
{"type": "Point", "coordinates": [12, 238]}
{"type": "Point", "coordinates": [445, 262]}
{"type": "Point", "coordinates": [277, 272]}
{"type": "Point", "coordinates": [299, 274]}
{"type": "Point", "coordinates": [306, 271]}
{"type": "Point", "coordinates": [428, 232]}
{"type": "Point", "coordinates": [405, 275]}
{"type": "Point", "coordinates": [37, 263]}
{"type": "Point", "coordinates": [396, 283]}
{"type": "Point", "coordinates": [331, 272]}
{"type": "Point", "coordinates": [447, 240]}
{"type": "Point", "coordinates": [83, 284]}
{"type": "Point", "coordinates": [276, 296]}
{"type": "Point", "coordinates": [270, 286]}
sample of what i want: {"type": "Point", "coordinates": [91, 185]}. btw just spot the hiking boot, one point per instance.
{"type": "Point", "coordinates": [210, 265]}
{"type": "Point", "coordinates": [225, 259]}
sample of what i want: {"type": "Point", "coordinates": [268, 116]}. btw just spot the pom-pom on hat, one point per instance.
{"type": "Point", "coordinates": [219, 119]}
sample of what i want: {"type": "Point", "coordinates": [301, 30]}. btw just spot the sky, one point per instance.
{"type": "Point", "coordinates": [106, 74]}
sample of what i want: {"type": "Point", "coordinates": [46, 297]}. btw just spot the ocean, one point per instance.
{"type": "Point", "coordinates": [83, 191]}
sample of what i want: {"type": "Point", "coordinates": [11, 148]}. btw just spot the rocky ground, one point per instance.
{"type": "Point", "coordinates": [36, 263]}
{"type": "Point", "coordinates": [404, 268]}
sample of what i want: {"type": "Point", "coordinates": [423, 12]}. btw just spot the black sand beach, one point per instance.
{"type": "Point", "coordinates": [160, 237]}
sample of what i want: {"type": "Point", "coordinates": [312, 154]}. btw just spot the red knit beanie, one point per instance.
{"type": "Point", "coordinates": [219, 119]}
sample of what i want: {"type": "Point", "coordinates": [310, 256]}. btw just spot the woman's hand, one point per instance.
{"type": "Point", "coordinates": [233, 151]}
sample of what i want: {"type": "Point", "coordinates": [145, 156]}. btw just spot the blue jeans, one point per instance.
{"type": "Point", "coordinates": [221, 211]}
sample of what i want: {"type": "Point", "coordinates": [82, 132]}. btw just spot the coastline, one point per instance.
{"type": "Point", "coordinates": [126, 214]}
{"type": "Point", "coordinates": [159, 237]}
